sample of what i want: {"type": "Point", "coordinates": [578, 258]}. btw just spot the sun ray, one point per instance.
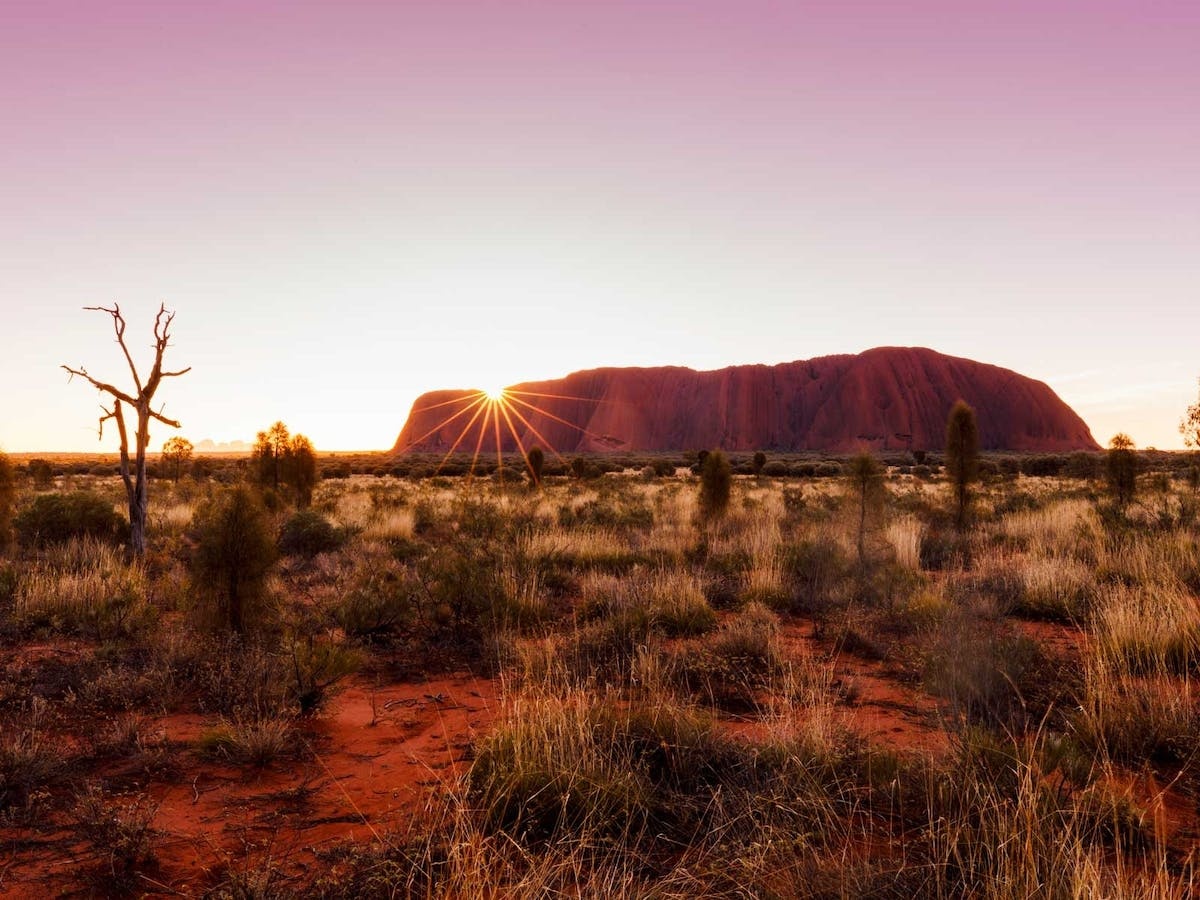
{"type": "Point", "coordinates": [516, 412]}
{"type": "Point", "coordinates": [544, 412]}
{"type": "Point", "coordinates": [499, 452]}
{"type": "Point", "coordinates": [447, 421]}
{"type": "Point", "coordinates": [479, 441]}
{"type": "Point", "coordinates": [466, 430]}
{"type": "Point", "coordinates": [520, 445]}
{"type": "Point", "coordinates": [473, 396]}
{"type": "Point", "coordinates": [555, 396]}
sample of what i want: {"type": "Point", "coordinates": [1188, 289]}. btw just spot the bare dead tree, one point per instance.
{"type": "Point", "coordinates": [139, 401]}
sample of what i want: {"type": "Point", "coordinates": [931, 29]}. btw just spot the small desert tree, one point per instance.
{"type": "Point", "coordinates": [8, 498]}
{"type": "Point", "coordinates": [281, 458]}
{"type": "Point", "coordinates": [267, 458]}
{"type": "Point", "coordinates": [235, 549]}
{"type": "Point", "coordinates": [139, 401]}
{"type": "Point", "coordinates": [962, 458]}
{"type": "Point", "coordinates": [300, 469]}
{"type": "Point", "coordinates": [757, 463]}
{"type": "Point", "coordinates": [176, 453]}
{"type": "Point", "coordinates": [716, 481]}
{"type": "Point", "coordinates": [536, 460]}
{"type": "Point", "coordinates": [866, 482]}
{"type": "Point", "coordinates": [1189, 426]}
{"type": "Point", "coordinates": [1121, 468]}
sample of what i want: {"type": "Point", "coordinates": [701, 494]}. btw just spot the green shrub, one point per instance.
{"type": "Point", "coordinates": [234, 552]}
{"type": "Point", "coordinates": [308, 533]}
{"type": "Point", "coordinates": [56, 518]}
{"type": "Point", "coordinates": [8, 499]}
{"type": "Point", "coordinates": [716, 481]}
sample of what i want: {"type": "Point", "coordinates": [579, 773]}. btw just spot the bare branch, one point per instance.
{"type": "Point", "coordinates": [102, 386]}
{"type": "Point", "coordinates": [157, 415]}
{"type": "Point", "coordinates": [174, 374]}
{"type": "Point", "coordinates": [119, 328]}
{"type": "Point", "coordinates": [108, 414]}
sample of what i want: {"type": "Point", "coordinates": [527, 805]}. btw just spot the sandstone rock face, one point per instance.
{"type": "Point", "coordinates": [889, 398]}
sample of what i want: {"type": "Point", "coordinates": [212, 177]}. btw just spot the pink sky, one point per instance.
{"type": "Point", "coordinates": [350, 203]}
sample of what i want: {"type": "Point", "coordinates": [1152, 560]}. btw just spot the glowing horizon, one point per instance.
{"type": "Point", "coordinates": [348, 205]}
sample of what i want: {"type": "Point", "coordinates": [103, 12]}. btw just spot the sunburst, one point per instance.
{"type": "Point", "coordinates": [493, 412]}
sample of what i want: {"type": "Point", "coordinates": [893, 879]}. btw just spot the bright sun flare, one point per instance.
{"type": "Point", "coordinates": [494, 393]}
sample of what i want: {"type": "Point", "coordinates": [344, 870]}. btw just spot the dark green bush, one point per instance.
{"type": "Point", "coordinates": [8, 498]}
{"type": "Point", "coordinates": [308, 533]}
{"type": "Point", "coordinates": [716, 481]}
{"type": "Point", "coordinates": [55, 518]}
{"type": "Point", "coordinates": [234, 552]}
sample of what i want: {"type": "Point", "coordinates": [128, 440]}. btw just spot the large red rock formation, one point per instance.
{"type": "Point", "coordinates": [889, 398]}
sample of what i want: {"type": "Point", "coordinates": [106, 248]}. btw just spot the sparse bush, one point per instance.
{"type": "Point", "coordinates": [866, 482]}
{"type": "Point", "coordinates": [317, 664]}
{"type": "Point", "coordinates": [120, 829]}
{"type": "Point", "coordinates": [29, 759]}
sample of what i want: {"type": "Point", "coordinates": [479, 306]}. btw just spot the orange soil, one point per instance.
{"type": "Point", "coordinates": [365, 769]}
{"type": "Point", "coordinates": [373, 760]}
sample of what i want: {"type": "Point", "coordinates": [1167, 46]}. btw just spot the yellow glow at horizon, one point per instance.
{"type": "Point", "coordinates": [493, 394]}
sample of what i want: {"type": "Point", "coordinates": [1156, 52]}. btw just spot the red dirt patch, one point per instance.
{"type": "Point", "coordinates": [365, 767]}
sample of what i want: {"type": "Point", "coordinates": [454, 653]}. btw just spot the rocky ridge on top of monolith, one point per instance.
{"type": "Point", "coordinates": [889, 398]}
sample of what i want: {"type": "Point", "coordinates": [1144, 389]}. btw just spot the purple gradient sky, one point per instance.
{"type": "Point", "coordinates": [349, 203]}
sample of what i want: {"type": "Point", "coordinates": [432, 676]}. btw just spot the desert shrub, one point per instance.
{"type": "Point", "coordinates": [1059, 589]}
{"type": "Point", "coordinates": [120, 830]}
{"type": "Point", "coordinates": [663, 467]}
{"type": "Point", "coordinates": [41, 473]}
{"type": "Point", "coordinates": [758, 462]}
{"type": "Point", "coordinates": [8, 499]}
{"type": "Point", "coordinates": [1082, 464]}
{"type": "Point", "coordinates": [996, 787]}
{"type": "Point", "coordinates": [308, 533]}
{"type": "Point", "coordinates": [240, 681]}
{"type": "Point", "coordinates": [378, 600]}
{"type": "Point", "coordinates": [865, 475]}
{"type": "Point", "coordinates": [1121, 465]}
{"type": "Point", "coordinates": [536, 460]}
{"type": "Point", "coordinates": [256, 741]}
{"type": "Point", "coordinates": [585, 469]}
{"type": "Point", "coordinates": [234, 552]}
{"type": "Point", "coordinates": [775, 468]}
{"type": "Point", "coordinates": [962, 458]}
{"type": "Point", "coordinates": [96, 594]}
{"type": "Point", "coordinates": [1046, 466]}
{"type": "Point", "coordinates": [580, 765]}
{"type": "Point", "coordinates": [677, 604]}
{"type": "Point", "coordinates": [942, 549]}
{"type": "Point", "coordinates": [29, 759]}
{"type": "Point", "coordinates": [55, 518]}
{"type": "Point", "coordinates": [988, 677]}
{"type": "Point", "coordinates": [716, 481]}
{"type": "Point", "coordinates": [1133, 718]}
{"type": "Point", "coordinates": [750, 641]}
{"type": "Point", "coordinates": [817, 569]}
{"type": "Point", "coordinates": [317, 664]}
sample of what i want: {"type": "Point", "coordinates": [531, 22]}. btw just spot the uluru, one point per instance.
{"type": "Point", "coordinates": [887, 398]}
